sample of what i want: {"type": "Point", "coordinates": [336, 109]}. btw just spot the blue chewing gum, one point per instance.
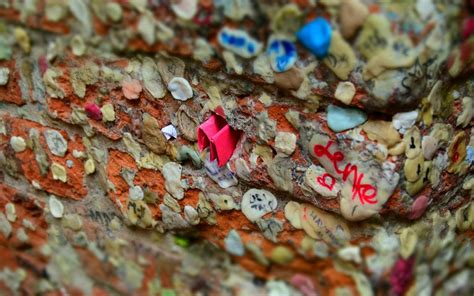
{"type": "Point", "coordinates": [316, 36]}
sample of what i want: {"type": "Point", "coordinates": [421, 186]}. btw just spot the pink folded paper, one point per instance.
{"type": "Point", "coordinates": [208, 129]}
{"type": "Point", "coordinates": [223, 143]}
{"type": "Point", "coordinates": [222, 139]}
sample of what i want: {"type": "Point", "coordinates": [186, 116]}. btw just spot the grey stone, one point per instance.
{"type": "Point", "coordinates": [4, 74]}
{"type": "Point", "coordinates": [172, 174]}
{"type": "Point", "coordinates": [171, 219]}
{"type": "Point", "coordinates": [233, 243]}
{"type": "Point", "coordinates": [135, 193]}
{"type": "Point", "coordinates": [285, 143]}
{"type": "Point", "coordinates": [191, 215]}
{"type": "Point", "coordinates": [151, 79]}
{"type": "Point", "coordinates": [5, 226]}
{"type": "Point", "coordinates": [270, 228]}
{"type": "Point", "coordinates": [221, 175]}
{"type": "Point", "coordinates": [258, 202]}
{"type": "Point", "coordinates": [56, 142]}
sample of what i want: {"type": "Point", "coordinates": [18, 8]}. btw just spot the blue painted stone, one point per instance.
{"type": "Point", "coordinates": [282, 54]}
{"type": "Point", "coordinates": [239, 42]}
{"type": "Point", "coordinates": [341, 119]}
{"type": "Point", "coordinates": [316, 36]}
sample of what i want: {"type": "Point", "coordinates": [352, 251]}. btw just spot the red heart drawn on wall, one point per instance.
{"type": "Point", "coordinates": [327, 181]}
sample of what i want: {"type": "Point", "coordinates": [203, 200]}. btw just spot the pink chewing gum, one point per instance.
{"type": "Point", "coordinates": [93, 111]}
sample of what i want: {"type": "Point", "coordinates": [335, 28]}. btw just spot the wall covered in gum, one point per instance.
{"type": "Point", "coordinates": [239, 147]}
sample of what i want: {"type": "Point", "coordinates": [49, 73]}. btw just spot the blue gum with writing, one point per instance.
{"type": "Point", "coordinates": [470, 155]}
{"type": "Point", "coordinates": [341, 119]}
{"type": "Point", "coordinates": [282, 54]}
{"type": "Point", "coordinates": [316, 36]}
{"type": "Point", "coordinates": [239, 42]}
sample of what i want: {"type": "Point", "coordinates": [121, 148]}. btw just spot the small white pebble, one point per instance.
{"type": "Point", "coordinates": [345, 92]}
{"type": "Point", "coordinates": [69, 163]}
{"type": "Point", "coordinates": [185, 9]}
{"type": "Point", "coordinates": [404, 120]}
{"type": "Point", "coordinates": [10, 211]}
{"type": "Point", "coordinates": [78, 154]}
{"type": "Point", "coordinates": [36, 185]}
{"type": "Point", "coordinates": [56, 207]}
{"type": "Point", "coordinates": [18, 144]}
{"type": "Point", "coordinates": [21, 235]}
{"type": "Point", "coordinates": [180, 89]}
{"type": "Point", "coordinates": [28, 224]}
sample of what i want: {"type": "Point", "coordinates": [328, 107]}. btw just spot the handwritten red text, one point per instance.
{"type": "Point", "coordinates": [365, 192]}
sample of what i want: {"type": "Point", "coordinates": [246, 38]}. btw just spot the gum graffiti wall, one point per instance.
{"type": "Point", "coordinates": [236, 147]}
